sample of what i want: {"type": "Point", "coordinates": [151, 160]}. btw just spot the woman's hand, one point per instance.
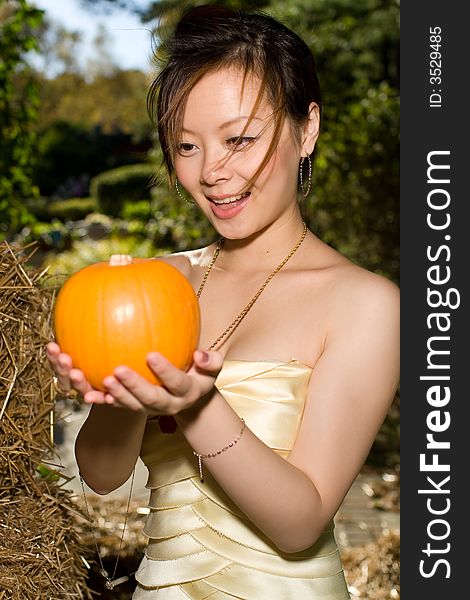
{"type": "Point", "coordinates": [68, 378]}
{"type": "Point", "coordinates": [179, 390]}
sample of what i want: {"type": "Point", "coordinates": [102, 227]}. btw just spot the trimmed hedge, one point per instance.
{"type": "Point", "coordinates": [112, 189]}
{"type": "Point", "coordinates": [141, 210]}
{"type": "Point", "coordinates": [72, 209]}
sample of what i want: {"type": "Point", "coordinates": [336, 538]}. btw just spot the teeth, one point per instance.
{"type": "Point", "coordinates": [230, 199]}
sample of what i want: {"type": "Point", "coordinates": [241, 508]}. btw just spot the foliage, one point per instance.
{"type": "Point", "coordinates": [63, 210]}
{"type": "Point", "coordinates": [178, 224]}
{"type": "Point", "coordinates": [354, 204]}
{"type": "Point", "coordinates": [355, 201]}
{"type": "Point", "coordinates": [49, 236]}
{"type": "Point", "coordinates": [65, 152]}
{"type": "Point", "coordinates": [72, 209]}
{"type": "Point", "coordinates": [18, 111]}
{"type": "Point", "coordinates": [114, 101]}
{"type": "Point", "coordinates": [59, 48]}
{"type": "Point", "coordinates": [115, 187]}
{"type": "Point", "coordinates": [91, 118]}
{"type": "Point", "coordinates": [138, 211]}
{"type": "Point", "coordinates": [38, 208]}
{"type": "Point", "coordinates": [69, 154]}
{"type": "Point", "coordinates": [84, 253]}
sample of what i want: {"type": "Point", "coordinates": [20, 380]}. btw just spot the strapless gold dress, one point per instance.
{"type": "Point", "coordinates": [200, 544]}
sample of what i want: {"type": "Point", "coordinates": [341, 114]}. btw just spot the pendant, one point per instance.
{"type": "Point", "coordinates": [112, 583]}
{"type": "Point", "coordinates": [167, 424]}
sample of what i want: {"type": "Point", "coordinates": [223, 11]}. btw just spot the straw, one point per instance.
{"type": "Point", "coordinates": [40, 551]}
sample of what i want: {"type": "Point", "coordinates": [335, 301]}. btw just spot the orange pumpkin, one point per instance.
{"type": "Point", "coordinates": [107, 315]}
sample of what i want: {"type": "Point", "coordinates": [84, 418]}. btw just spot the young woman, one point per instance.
{"type": "Point", "coordinates": [298, 358]}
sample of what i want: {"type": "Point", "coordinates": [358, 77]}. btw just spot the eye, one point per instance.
{"type": "Point", "coordinates": [186, 148]}
{"type": "Point", "coordinates": [238, 143]}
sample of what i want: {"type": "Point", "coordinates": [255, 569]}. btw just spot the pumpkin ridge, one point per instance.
{"type": "Point", "coordinates": [147, 317]}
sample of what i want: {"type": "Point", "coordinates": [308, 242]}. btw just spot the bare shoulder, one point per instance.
{"type": "Point", "coordinates": [186, 262]}
{"type": "Point", "coordinates": [361, 298]}
{"type": "Point", "coordinates": [361, 287]}
{"type": "Point", "coordinates": [348, 293]}
{"type": "Point", "coordinates": [344, 285]}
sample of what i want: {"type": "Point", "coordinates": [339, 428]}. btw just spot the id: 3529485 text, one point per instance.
{"type": "Point", "coordinates": [435, 67]}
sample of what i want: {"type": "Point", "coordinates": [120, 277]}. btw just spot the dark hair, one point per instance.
{"type": "Point", "coordinates": [212, 37]}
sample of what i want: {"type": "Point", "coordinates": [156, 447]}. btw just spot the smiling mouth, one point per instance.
{"type": "Point", "coordinates": [230, 199]}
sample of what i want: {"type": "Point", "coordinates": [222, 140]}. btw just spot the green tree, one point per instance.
{"type": "Point", "coordinates": [87, 126]}
{"type": "Point", "coordinates": [18, 111]}
{"type": "Point", "coordinates": [111, 101]}
{"type": "Point", "coordinates": [58, 49]}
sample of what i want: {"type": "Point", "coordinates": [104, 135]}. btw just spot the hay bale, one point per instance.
{"type": "Point", "coordinates": [40, 552]}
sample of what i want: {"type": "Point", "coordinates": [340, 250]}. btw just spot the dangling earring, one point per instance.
{"type": "Point", "coordinates": [305, 192]}
{"type": "Point", "coordinates": [178, 191]}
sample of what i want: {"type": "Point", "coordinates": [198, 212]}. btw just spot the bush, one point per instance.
{"type": "Point", "coordinates": [85, 253]}
{"type": "Point", "coordinates": [112, 189]}
{"type": "Point", "coordinates": [69, 153]}
{"type": "Point", "coordinates": [38, 208]}
{"type": "Point", "coordinates": [49, 236]}
{"type": "Point", "coordinates": [73, 209]}
{"type": "Point", "coordinates": [141, 211]}
{"type": "Point", "coordinates": [177, 224]}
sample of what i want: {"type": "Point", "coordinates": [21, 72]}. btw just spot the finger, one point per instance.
{"type": "Point", "coordinates": [61, 364]}
{"type": "Point", "coordinates": [154, 398]}
{"type": "Point", "coordinates": [52, 349]}
{"type": "Point", "coordinates": [209, 361]}
{"type": "Point", "coordinates": [117, 393]}
{"type": "Point", "coordinates": [95, 397]}
{"type": "Point", "coordinates": [79, 381]}
{"type": "Point", "coordinates": [53, 352]}
{"type": "Point", "coordinates": [176, 381]}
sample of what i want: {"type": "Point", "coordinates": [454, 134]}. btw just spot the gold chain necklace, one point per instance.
{"type": "Point", "coordinates": [110, 581]}
{"type": "Point", "coordinates": [110, 578]}
{"type": "Point", "coordinates": [236, 322]}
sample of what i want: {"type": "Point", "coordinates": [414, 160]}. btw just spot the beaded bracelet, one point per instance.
{"type": "Point", "coordinates": [213, 454]}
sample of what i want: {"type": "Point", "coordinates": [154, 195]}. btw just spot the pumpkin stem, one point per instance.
{"type": "Point", "coordinates": [120, 260]}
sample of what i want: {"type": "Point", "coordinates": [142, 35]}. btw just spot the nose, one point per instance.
{"type": "Point", "coordinates": [215, 169]}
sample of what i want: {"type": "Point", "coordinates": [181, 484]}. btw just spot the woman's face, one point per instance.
{"type": "Point", "coordinates": [216, 113]}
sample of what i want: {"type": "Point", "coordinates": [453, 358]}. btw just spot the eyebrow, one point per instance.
{"type": "Point", "coordinates": [228, 123]}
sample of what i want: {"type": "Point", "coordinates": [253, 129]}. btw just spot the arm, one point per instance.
{"type": "Point", "coordinates": [350, 391]}
{"type": "Point", "coordinates": [108, 444]}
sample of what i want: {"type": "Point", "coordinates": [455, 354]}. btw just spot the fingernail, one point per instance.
{"type": "Point", "coordinates": [153, 358]}
{"type": "Point", "coordinates": [120, 372]}
{"type": "Point", "coordinates": [109, 381]}
{"type": "Point", "coordinates": [203, 356]}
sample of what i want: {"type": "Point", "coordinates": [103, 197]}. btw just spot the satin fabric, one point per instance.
{"type": "Point", "coordinates": [200, 544]}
